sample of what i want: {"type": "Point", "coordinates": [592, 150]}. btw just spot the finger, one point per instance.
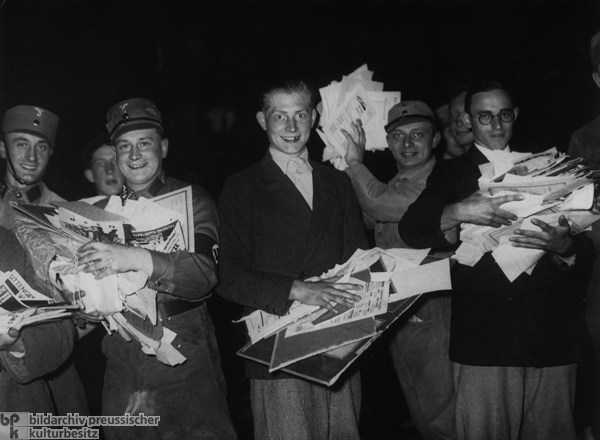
{"type": "Point", "coordinates": [89, 246]}
{"type": "Point", "coordinates": [529, 241]}
{"type": "Point", "coordinates": [532, 234]}
{"type": "Point", "coordinates": [346, 286]}
{"type": "Point", "coordinates": [542, 225]}
{"type": "Point", "coordinates": [505, 199]}
{"type": "Point", "coordinates": [505, 214]}
{"type": "Point", "coordinates": [13, 333]}
{"type": "Point", "coordinates": [500, 221]}
{"type": "Point", "coordinates": [344, 294]}
{"type": "Point", "coordinates": [563, 222]}
{"type": "Point", "coordinates": [529, 246]}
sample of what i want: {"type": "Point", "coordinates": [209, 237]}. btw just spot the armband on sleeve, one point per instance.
{"type": "Point", "coordinates": [206, 245]}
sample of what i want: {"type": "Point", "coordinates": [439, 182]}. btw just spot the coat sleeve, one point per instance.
{"type": "Point", "coordinates": [47, 346]}
{"type": "Point", "coordinates": [191, 275]}
{"type": "Point", "coordinates": [240, 281]}
{"type": "Point", "coordinates": [420, 226]}
{"type": "Point", "coordinates": [381, 202]}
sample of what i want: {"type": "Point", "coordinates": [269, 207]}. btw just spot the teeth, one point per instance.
{"type": "Point", "coordinates": [291, 138]}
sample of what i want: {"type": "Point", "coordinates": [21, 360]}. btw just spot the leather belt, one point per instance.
{"type": "Point", "coordinates": [177, 307]}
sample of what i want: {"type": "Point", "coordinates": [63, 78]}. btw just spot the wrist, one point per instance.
{"type": "Point", "coordinates": [568, 250]}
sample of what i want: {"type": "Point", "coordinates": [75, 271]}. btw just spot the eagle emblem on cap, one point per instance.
{"type": "Point", "coordinates": [123, 107]}
{"type": "Point", "coordinates": [39, 111]}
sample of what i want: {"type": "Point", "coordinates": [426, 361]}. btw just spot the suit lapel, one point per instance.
{"type": "Point", "coordinates": [323, 203]}
{"type": "Point", "coordinates": [289, 199]}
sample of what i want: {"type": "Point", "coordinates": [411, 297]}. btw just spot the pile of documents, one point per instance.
{"type": "Point", "coordinates": [20, 305]}
{"type": "Point", "coordinates": [386, 278]}
{"type": "Point", "coordinates": [123, 303]}
{"type": "Point", "coordinates": [355, 97]}
{"type": "Point", "coordinates": [552, 186]}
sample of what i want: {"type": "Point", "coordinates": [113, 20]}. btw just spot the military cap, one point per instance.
{"type": "Point", "coordinates": [407, 112]}
{"type": "Point", "coordinates": [132, 114]}
{"type": "Point", "coordinates": [32, 120]}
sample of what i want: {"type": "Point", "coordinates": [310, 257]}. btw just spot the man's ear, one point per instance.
{"type": "Point", "coordinates": [596, 78]}
{"type": "Point", "coordinates": [436, 139]}
{"type": "Point", "coordinates": [164, 147]}
{"type": "Point", "coordinates": [313, 115]}
{"type": "Point", "coordinates": [516, 111]}
{"type": "Point", "coordinates": [466, 119]}
{"type": "Point", "coordinates": [260, 117]}
{"type": "Point", "coordinates": [89, 175]}
{"type": "Point", "coordinates": [2, 150]}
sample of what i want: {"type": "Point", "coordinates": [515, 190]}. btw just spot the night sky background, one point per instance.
{"type": "Point", "coordinates": [79, 57]}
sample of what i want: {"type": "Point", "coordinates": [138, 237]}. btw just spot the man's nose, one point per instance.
{"type": "Point", "coordinates": [31, 153]}
{"type": "Point", "coordinates": [110, 168]}
{"type": "Point", "coordinates": [134, 153]}
{"type": "Point", "coordinates": [292, 125]}
{"type": "Point", "coordinates": [496, 122]}
{"type": "Point", "coordinates": [407, 142]}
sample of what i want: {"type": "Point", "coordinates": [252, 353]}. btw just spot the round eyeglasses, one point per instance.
{"type": "Point", "coordinates": [486, 118]}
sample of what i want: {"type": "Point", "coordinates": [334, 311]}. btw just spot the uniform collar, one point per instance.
{"type": "Point", "coordinates": [149, 192]}
{"type": "Point", "coordinates": [28, 195]}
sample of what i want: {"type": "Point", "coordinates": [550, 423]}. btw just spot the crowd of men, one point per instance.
{"type": "Point", "coordinates": [490, 359]}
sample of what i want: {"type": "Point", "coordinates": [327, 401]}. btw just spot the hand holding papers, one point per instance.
{"type": "Point", "coordinates": [551, 187]}
{"type": "Point", "coordinates": [111, 267]}
{"type": "Point", "coordinates": [320, 343]}
{"type": "Point", "coordinates": [356, 97]}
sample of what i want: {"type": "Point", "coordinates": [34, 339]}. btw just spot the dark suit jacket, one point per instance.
{"type": "Point", "coordinates": [270, 237]}
{"type": "Point", "coordinates": [533, 321]}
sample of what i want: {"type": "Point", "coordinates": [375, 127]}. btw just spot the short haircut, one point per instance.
{"type": "Point", "coordinates": [484, 86]}
{"type": "Point", "coordinates": [90, 148]}
{"type": "Point", "coordinates": [289, 87]}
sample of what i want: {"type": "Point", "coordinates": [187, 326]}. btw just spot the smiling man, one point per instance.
{"type": "Point", "coordinates": [189, 398]}
{"type": "Point", "coordinates": [419, 346]}
{"type": "Point", "coordinates": [26, 145]}
{"type": "Point", "coordinates": [515, 345]}
{"type": "Point", "coordinates": [284, 220]}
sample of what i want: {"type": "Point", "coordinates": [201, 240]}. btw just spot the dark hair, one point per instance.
{"type": "Point", "coordinates": [460, 86]}
{"type": "Point", "coordinates": [90, 148]}
{"type": "Point", "coordinates": [287, 86]}
{"type": "Point", "coordinates": [484, 86]}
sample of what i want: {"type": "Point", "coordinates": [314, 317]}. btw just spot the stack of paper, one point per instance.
{"type": "Point", "coordinates": [355, 97]}
{"type": "Point", "coordinates": [387, 278]}
{"type": "Point", "coordinates": [123, 302]}
{"type": "Point", "coordinates": [551, 186]}
{"type": "Point", "coordinates": [20, 305]}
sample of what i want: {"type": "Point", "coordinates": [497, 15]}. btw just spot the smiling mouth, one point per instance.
{"type": "Point", "coordinates": [136, 166]}
{"type": "Point", "coordinates": [28, 167]}
{"type": "Point", "coordinates": [111, 182]}
{"type": "Point", "coordinates": [409, 155]}
{"type": "Point", "coordinates": [290, 139]}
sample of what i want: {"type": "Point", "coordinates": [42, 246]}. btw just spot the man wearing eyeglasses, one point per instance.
{"type": "Point", "coordinates": [515, 346]}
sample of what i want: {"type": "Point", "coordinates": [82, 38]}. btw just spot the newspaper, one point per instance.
{"type": "Point", "coordinates": [122, 300]}
{"type": "Point", "coordinates": [355, 97]}
{"type": "Point", "coordinates": [551, 186]}
{"type": "Point", "coordinates": [21, 305]}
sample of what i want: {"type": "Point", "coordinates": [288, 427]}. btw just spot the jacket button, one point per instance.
{"type": "Point", "coordinates": [268, 308]}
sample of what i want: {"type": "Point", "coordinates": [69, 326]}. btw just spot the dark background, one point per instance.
{"type": "Point", "coordinates": [79, 57]}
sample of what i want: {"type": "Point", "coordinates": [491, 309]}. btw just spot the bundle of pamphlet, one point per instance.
{"type": "Point", "coordinates": [21, 305]}
{"type": "Point", "coordinates": [385, 278]}
{"type": "Point", "coordinates": [355, 97]}
{"type": "Point", "coordinates": [552, 186]}
{"type": "Point", "coordinates": [52, 235]}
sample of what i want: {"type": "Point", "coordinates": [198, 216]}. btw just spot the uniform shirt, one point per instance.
{"type": "Point", "coordinates": [384, 205]}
